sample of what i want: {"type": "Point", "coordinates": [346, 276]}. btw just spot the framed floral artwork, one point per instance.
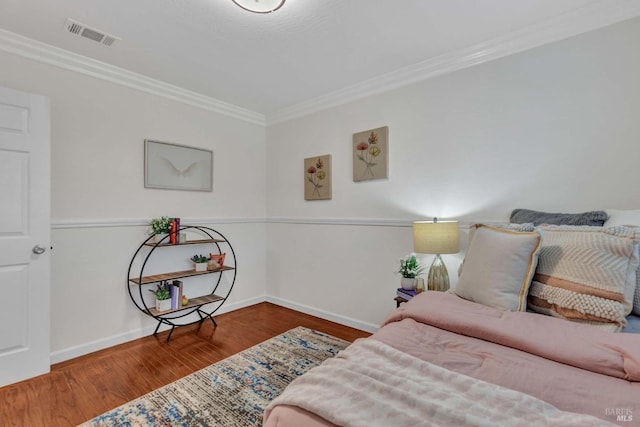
{"type": "Point", "coordinates": [371, 154]}
{"type": "Point", "coordinates": [317, 178]}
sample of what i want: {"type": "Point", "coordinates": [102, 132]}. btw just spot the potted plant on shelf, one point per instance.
{"type": "Point", "coordinates": [410, 268]}
{"type": "Point", "coordinates": [200, 262]}
{"type": "Point", "coordinates": [160, 227]}
{"type": "Point", "coordinates": [163, 296]}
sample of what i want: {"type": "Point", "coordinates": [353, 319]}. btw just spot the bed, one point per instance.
{"type": "Point", "coordinates": [482, 356]}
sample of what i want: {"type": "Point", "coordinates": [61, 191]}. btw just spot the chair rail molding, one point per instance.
{"type": "Point", "coordinates": [58, 224]}
{"type": "Point", "coordinates": [61, 224]}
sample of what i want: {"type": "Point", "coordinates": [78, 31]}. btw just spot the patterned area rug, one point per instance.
{"type": "Point", "coordinates": [232, 392]}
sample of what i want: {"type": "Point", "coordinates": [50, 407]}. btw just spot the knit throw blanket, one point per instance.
{"type": "Point", "coordinates": [372, 384]}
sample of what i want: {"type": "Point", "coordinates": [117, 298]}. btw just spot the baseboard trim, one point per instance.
{"type": "Point", "coordinates": [343, 320]}
{"type": "Point", "coordinates": [90, 347]}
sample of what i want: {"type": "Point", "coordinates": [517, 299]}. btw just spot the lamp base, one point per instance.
{"type": "Point", "coordinates": [438, 279]}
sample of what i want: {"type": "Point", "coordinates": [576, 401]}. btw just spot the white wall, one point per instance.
{"type": "Point", "coordinates": [97, 185]}
{"type": "Point", "coordinates": [555, 128]}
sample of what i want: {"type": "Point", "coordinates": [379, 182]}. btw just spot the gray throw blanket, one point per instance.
{"type": "Point", "coordinates": [592, 218]}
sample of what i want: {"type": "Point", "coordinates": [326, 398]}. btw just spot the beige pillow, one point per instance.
{"type": "Point", "coordinates": [587, 274]}
{"type": "Point", "coordinates": [498, 267]}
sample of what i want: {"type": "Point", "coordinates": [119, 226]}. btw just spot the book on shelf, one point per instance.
{"type": "Point", "coordinates": [172, 232]}
{"type": "Point", "coordinates": [175, 223]}
{"type": "Point", "coordinates": [406, 293]}
{"type": "Point", "coordinates": [176, 294]}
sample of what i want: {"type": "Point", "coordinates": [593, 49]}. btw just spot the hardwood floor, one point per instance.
{"type": "Point", "coordinates": [79, 389]}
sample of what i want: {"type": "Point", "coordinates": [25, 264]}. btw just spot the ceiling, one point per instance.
{"type": "Point", "coordinates": [307, 50]}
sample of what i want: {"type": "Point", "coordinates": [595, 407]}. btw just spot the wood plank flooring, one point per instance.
{"type": "Point", "coordinates": [79, 389]}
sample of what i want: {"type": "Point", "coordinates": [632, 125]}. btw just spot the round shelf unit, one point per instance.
{"type": "Point", "coordinates": [199, 308]}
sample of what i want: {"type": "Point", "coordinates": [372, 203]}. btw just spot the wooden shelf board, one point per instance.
{"type": "Point", "coordinates": [193, 302]}
{"type": "Point", "coordinates": [175, 275]}
{"type": "Point", "coordinates": [188, 242]}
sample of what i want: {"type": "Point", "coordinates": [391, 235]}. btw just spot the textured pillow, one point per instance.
{"type": "Point", "coordinates": [618, 217]}
{"type": "Point", "coordinates": [498, 267]}
{"type": "Point", "coordinates": [593, 218]}
{"type": "Point", "coordinates": [586, 274]}
{"type": "Point", "coordinates": [630, 218]}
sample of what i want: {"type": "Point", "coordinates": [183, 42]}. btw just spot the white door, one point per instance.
{"type": "Point", "coordinates": [24, 231]}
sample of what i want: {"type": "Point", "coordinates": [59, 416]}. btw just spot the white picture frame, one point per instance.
{"type": "Point", "coordinates": [171, 166]}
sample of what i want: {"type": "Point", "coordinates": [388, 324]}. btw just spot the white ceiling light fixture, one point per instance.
{"type": "Point", "coordinates": [260, 6]}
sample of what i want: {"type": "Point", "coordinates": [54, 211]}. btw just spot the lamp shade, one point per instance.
{"type": "Point", "coordinates": [435, 237]}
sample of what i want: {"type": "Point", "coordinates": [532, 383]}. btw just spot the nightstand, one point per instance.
{"type": "Point", "coordinates": [399, 300]}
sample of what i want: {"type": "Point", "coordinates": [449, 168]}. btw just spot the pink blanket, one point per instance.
{"type": "Point", "coordinates": [582, 346]}
{"type": "Point", "coordinates": [573, 367]}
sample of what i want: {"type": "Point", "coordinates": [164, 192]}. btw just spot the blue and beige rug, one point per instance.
{"type": "Point", "coordinates": [232, 392]}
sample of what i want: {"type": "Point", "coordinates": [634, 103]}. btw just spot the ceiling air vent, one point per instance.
{"type": "Point", "coordinates": [80, 29]}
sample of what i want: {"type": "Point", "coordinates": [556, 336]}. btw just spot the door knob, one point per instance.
{"type": "Point", "coordinates": [39, 250]}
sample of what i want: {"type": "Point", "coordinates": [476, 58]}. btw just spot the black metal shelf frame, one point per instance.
{"type": "Point", "coordinates": [169, 318]}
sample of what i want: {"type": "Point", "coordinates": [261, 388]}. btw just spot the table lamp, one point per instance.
{"type": "Point", "coordinates": [436, 237]}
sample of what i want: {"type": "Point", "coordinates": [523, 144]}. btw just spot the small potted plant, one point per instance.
{"type": "Point", "coordinates": [160, 228]}
{"type": "Point", "coordinates": [163, 296]}
{"type": "Point", "coordinates": [410, 268]}
{"type": "Point", "coordinates": [200, 262]}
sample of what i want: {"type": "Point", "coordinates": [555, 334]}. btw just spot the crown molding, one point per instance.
{"type": "Point", "coordinates": [42, 52]}
{"type": "Point", "coordinates": [593, 16]}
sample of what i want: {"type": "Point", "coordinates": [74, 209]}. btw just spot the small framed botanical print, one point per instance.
{"type": "Point", "coordinates": [371, 154]}
{"type": "Point", "coordinates": [317, 178]}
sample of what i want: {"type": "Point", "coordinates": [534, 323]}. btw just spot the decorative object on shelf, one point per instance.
{"type": "Point", "coordinates": [371, 154]}
{"type": "Point", "coordinates": [163, 296]}
{"type": "Point", "coordinates": [200, 262]}
{"type": "Point", "coordinates": [160, 228]}
{"type": "Point", "coordinates": [260, 6]}
{"type": "Point", "coordinates": [419, 284]}
{"type": "Point", "coordinates": [436, 237]}
{"type": "Point", "coordinates": [410, 268]}
{"type": "Point", "coordinates": [219, 258]}
{"type": "Point", "coordinates": [213, 265]}
{"type": "Point", "coordinates": [317, 178]}
{"type": "Point", "coordinates": [177, 167]}
{"type": "Point", "coordinates": [217, 284]}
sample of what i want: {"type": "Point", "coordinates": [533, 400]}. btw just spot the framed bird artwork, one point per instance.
{"type": "Point", "coordinates": [177, 167]}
